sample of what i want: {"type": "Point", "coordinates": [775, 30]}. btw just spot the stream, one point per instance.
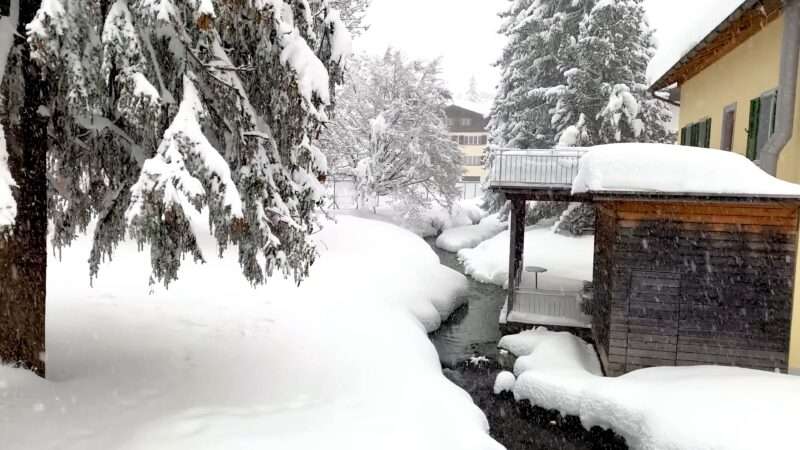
{"type": "Point", "coordinates": [473, 331]}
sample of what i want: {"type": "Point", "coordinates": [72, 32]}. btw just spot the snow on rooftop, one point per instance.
{"type": "Point", "coordinates": [705, 17]}
{"type": "Point", "coordinates": [482, 108]}
{"type": "Point", "coordinates": [675, 169]}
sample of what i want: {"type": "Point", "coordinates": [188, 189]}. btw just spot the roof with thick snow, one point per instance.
{"type": "Point", "coordinates": [636, 170]}
{"type": "Point", "coordinates": [708, 38]}
{"type": "Point", "coordinates": [675, 170]}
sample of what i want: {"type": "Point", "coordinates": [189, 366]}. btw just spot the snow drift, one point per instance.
{"type": "Point", "coordinates": [343, 361]}
{"type": "Point", "coordinates": [663, 408]}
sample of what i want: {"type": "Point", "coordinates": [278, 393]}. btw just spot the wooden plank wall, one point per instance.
{"type": "Point", "coordinates": [600, 306]}
{"type": "Point", "coordinates": [695, 283]}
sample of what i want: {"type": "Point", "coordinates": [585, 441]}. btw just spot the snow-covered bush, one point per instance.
{"type": "Point", "coordinates": [161, 110]}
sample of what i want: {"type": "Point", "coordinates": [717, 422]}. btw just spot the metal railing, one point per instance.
{"type": "Point", "coordinates": [545, 168]}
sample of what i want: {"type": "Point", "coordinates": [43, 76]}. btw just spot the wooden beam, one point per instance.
{"type": "Point", "coordinates": [516, 249]}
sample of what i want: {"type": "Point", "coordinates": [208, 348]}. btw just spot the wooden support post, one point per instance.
{"type": "Point", "coordinates": [516, 247]}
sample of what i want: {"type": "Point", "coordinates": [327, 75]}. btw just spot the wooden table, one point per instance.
{"type": "Point", "coordinates": [536, 270]}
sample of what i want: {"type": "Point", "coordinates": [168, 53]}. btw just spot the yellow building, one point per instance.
{"type": "Point", "coordinates": [468, 128]}
{"type": "Point", "coordinates": [727, 88]}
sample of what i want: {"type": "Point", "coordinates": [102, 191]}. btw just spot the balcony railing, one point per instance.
{"type": "Point", "coordinates": [535, 168]}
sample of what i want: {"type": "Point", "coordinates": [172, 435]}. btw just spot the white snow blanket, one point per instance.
{"type": "Point", "coordinates": [664, 408]}
{"type": "Point", "coordinates": [342, 362]}
{"type": "Point", "coordinates": [674, 169]}
{"type": "Point", "coordinates": [564, 257]}
{"type": "Point", "coordinates": [688, 33]}
{"type": "Point", "coordinates": [428, 223]}
{"type": "Point", "coordinates": [459, 238]}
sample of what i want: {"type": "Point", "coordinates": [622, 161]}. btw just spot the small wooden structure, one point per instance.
{"type": "Point", "coordinates": [688, 280]}
{"type": "Point", "coordinates": [679, 279]}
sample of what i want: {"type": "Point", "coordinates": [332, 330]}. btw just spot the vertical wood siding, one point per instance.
{"type": "Point", "coordinates": [694, 283]}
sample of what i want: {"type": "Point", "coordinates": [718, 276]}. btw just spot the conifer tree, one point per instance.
{"type": "Point", "coordinates": [541, 34]}
{"type": "Point", "coordinates": [149, 118]}
{"type": "Point", "coordinates": [574, 74]}
{"type": "Point", "coordinates": [165, 109]}
{"type": "Point", "coordinates": [23, 217]}
{"type": "Point", "coordinates": [605, 98]}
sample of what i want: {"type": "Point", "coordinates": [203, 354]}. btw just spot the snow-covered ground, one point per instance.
{"type": "Point", "coordinates": [662, 408]}
{"type": "Point", "coordinates": [428, 223]}
{"type": "Point", "coordinates": [564, 257]}
{"type": "Point", "coordinates": [341, 362]}
{"type": "Point", "coordinates": [469, 236]}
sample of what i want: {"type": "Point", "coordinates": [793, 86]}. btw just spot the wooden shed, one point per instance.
{"type": "Point", "coordinates": [688, 280]}
{"type": "Point", "coordinates": [680, 278]}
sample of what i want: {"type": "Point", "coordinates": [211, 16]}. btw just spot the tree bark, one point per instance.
{"type": "Point", "coordinates": [23, 252]}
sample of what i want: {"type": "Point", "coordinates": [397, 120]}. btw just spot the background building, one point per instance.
{"type": "Point", "coordinates": [467, 127]}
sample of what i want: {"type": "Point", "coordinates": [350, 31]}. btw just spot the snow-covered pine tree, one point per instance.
{"type": "Point", "coordinates": [473, 94]}
{"type": "Point", "coordinates": [605, 98]}
{"type": "Point", "coordinates": [162, 110]}
{"type": "Point", "coordinates": [390, 133]}
{"type": "Point", "coordinates": [541, 36]}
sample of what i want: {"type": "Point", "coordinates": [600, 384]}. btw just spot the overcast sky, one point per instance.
{"type": "Point", "coordinates": [464, 32]}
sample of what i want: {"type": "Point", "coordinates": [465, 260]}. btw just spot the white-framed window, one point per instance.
{"type": "Point", "coordinates": [470, 139]}
{"type": "Point", "coordinates": [466, 122]}
{"type": "Point", "coordinates": [473, 161]}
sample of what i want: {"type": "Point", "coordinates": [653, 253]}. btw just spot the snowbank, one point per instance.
{"type": "Point", "coordinates": [341, 362]}
{"type": "Point", "coordinates": [674, 169]}
{"type": "Point", "coordinates": [455, 239]}
{"type": "Point", "coordinates": [430, 222]}
{"type": "Point", "coordinates": [663, 408]}
{"type": "Point", "coordinates": [563, 256]}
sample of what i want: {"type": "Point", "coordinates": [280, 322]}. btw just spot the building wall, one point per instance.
{"type": "Point", "coordinates": [744, 74]}
{"type": "Point", "coordinates": [472, 150]}
{"type": "Point", "coordinates": [477, 127]}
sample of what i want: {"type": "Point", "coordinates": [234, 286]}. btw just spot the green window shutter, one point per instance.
{"type": "Point", "coordinates": [752, 129]}
{"type": "Point", "coordinates": [694, 135]}
{"type": "Point", "coordinates": [701, 133]}
{"type": "Point", "coordinates": [684, 135]}
{"type": "Point", "coordinates": [707, 142]}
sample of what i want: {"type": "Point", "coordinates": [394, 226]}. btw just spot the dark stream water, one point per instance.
{"type": "Point", "coordinates": [473, 330]}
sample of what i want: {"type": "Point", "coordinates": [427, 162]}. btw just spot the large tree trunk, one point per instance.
{"type": "Point", "coordinates": [23, 253]}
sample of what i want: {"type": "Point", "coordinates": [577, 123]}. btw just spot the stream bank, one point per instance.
{"type": "Point", "coordinates": [467, 347]}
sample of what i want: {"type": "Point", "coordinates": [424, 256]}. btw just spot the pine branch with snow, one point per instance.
{"type": "Point", "coordinates": [168, 113]}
